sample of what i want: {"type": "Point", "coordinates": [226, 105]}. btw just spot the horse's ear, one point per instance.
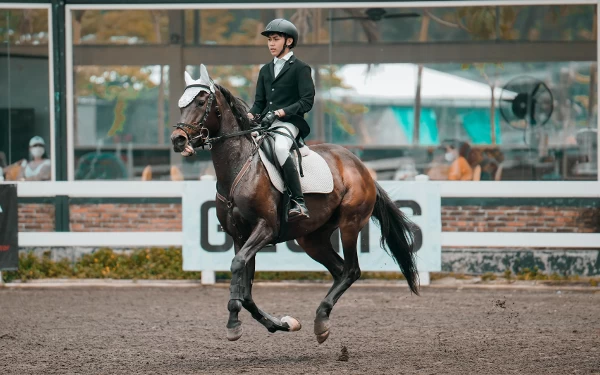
{"type": "Point", "coordinates": [188, 79]}
{"type": "Point", "coordinates": [204, 73]}
{"type": "Point", "coordinates": [205, 78]}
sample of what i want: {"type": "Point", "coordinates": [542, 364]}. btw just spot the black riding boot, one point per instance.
{"type": "Point", "coordinates": [298, 208]}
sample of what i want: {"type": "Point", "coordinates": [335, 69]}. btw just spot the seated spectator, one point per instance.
{"type": "Point", "coordinates": [475, 159]}
{"type": "Point", "coordinates": [460, 169]}
{"type": "Point", "coordinates": [439, 166]}
{"type": "Point", "coordinates": [38, 168]}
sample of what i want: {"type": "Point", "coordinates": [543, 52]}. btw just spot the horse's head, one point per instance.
{"type": "Point", "coordinates": [200, 114]}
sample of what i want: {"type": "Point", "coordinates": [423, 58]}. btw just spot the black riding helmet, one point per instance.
{"type": "Point", "coordinates": [282, 26]}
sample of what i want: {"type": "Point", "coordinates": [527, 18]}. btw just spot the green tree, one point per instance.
{"type": "Point", "coordinates": [121, 84]}
{"type": "Point", "coordinates": [24, 26]}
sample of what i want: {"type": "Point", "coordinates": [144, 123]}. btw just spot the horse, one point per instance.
{"type": "Point", "coordinates": [247, 206]}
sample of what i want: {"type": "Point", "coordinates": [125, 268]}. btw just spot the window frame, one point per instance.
{"type": "Point", "coordinates": [51, 102]}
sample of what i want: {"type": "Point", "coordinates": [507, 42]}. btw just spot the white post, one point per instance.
{"type": "Point", "coordinates": [208, 277]}
{"type": "Point", "coordinates": [1, 280]}
{"type": "Point", "coordinates": [424, 278]}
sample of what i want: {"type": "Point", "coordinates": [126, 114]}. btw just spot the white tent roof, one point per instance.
{"type": "Point", "coordinates": [399, 82]}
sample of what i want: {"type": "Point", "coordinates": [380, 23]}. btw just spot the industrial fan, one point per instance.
{"type": "Point", "coordinates": [375, 14]}
{"type": "Point", "coordinates": [526, 101]}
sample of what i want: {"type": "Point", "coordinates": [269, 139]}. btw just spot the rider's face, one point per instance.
{"type": "Point", "coordinates": [275, 43]}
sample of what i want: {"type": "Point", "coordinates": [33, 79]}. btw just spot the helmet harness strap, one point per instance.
{"type": "Point", "coordinates": [285, 37]}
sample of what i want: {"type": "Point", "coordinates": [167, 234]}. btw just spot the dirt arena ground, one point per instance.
{"type": "Point", "coordinates": [88, 330]}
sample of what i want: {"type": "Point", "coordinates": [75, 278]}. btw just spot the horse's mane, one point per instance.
{"type": "Point", "coordinates": [238, 107]}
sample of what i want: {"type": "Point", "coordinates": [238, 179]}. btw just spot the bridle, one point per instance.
{"type": "Point", "coordinates": [203, 132]}
{"type": "Point", "coordinates": [198, 126]}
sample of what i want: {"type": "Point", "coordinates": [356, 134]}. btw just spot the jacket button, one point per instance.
{"type": "Point", "coordinates": [272, 89]}
{"type": "Point", "coordinates": [270, 102]}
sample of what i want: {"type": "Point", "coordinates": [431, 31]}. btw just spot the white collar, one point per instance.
{"type": "Point", "coordinates": [286, 57]}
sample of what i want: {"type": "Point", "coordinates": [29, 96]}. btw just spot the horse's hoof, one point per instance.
{"type": "Point", "coordinates": [234, 333]}
{"type": "Point", "coordinates": [322, 337]}
{"type": "Point", "coordinates": [293, 323]}
{"type": "Point", "coordinates": [321, 326]}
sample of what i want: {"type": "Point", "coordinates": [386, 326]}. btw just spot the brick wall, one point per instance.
{"type": "Point", "coordinates": [36, 217]}
{"type": "Point", "coordinates": [152, 217]}
{"type": "Point", "coordinates": [124, 217]}
{"type": "Point", "coordinates": [520, 219]}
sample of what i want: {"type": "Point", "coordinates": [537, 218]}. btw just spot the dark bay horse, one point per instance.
{"type": "Point", "coordinates": [247, 208]}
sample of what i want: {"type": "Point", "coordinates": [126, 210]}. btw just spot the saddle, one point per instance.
{"type": "Point", "coordinates": [317, 177]}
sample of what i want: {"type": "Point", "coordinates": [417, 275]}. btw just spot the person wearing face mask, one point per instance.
{"type": "Point", "coordinates": [460, 169]}
{"type": "Point", "coordinates": [38, 168]}
{"type": "Point", "coordinates": [285, 92]}
{"type": "Point", "coordinates": [437, 169]}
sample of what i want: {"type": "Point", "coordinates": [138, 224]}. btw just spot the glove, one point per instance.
{"type": "Point", "coordinates": [255, 120]}
{"type": "Point", "coordinates": [268, 120]}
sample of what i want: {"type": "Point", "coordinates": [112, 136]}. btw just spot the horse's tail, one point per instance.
{"type": "Point", "coordinates": [397, 232]}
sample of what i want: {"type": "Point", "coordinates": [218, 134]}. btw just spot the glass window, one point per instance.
{"type": "Point", "coordinates": [120, 27]}
{"type": "Point", "coordinates": [463, 24]}
{"type": "Point", "coordinates": [481, 108]}
{"type": "Point", "coordinates": [120, 117]}
{"type": "Point", "coordinates": [25, 130]}
{"type": "Point", "coordinates": [243, 26]}
{"type": "Point", "coordinates": [403, 107]}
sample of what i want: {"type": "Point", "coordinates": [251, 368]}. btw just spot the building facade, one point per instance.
{"type": "Point", "coordinates": [511, 83]}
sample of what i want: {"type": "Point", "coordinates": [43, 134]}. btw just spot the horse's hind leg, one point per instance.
{"type": "Point", "coordinates": [354, 215]}
{"type": "Point", "coordinates": [287, 323]}
{"type": "Point", "coordinates": [318, 246]}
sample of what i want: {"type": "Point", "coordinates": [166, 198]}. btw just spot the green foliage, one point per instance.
{"type": "Point", "coordinates": [166, 264]}
{"type": "Point", "coordinates": [155, 263]}
{"type": "Point", "coordinates": [24, 26]}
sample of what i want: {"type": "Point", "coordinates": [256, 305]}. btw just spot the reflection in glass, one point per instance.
{"type": "Point", "coordinates": [465, 24]}
{"type": "Point", "coordinates": [467, 103]}
{"type": "Point", "coordinates": [120, 26]}
{"type": "Point", "coordinates": [24, 95]}
{"type": "Point", "coordinates": [121, 116]}
{"type": "Point", "coordinates": [402, 118]}
{"type": "Point", "coordinates": [243, 26]}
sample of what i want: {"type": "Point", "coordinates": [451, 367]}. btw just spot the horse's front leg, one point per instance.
{"type": "Point", "coordinates": [287, 323]}
{"type": "Point", "coordinates": [260, 236]}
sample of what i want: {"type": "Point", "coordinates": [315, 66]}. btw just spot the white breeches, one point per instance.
{"type": "Point", "coordinates": [283, 144]}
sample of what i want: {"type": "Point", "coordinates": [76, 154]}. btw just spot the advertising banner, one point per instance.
{"type": "Point", "coordinates": [207, 248]}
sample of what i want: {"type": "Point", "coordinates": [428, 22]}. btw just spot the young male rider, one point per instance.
{"type": "Point", "coordinates": [285, 91]}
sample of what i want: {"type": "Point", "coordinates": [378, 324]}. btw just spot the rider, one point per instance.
{"type": "Point", "coordinates": [285, 91]}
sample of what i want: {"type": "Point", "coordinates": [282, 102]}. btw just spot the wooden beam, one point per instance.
{"type": "Point", "coordinates": [346, 53]}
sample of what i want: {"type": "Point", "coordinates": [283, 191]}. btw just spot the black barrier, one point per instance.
{"type": "Point", "coordinates": [9, 228]}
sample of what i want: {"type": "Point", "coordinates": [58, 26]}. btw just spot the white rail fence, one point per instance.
{"type": "Point", "coordinates": [169, 189]}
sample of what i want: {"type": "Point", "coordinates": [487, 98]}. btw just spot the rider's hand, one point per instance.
{"type": "Point", "coordinates": [268, 120]}
{"type": "Point", "coordinates": [250, 116]}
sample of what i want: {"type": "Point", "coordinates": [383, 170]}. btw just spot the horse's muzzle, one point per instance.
{"type": "Point", "coordinates": [179, 142]}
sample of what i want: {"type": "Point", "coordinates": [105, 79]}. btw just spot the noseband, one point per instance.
{"type": "Point", "coordinates": [203, 133]}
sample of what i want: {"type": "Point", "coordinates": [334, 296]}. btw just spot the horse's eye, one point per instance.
{"type": "Point", "coordinates": [201, 103]}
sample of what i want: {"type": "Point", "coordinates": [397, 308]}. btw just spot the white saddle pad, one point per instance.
{"type": "Point", "coordinates": [317, 175]}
